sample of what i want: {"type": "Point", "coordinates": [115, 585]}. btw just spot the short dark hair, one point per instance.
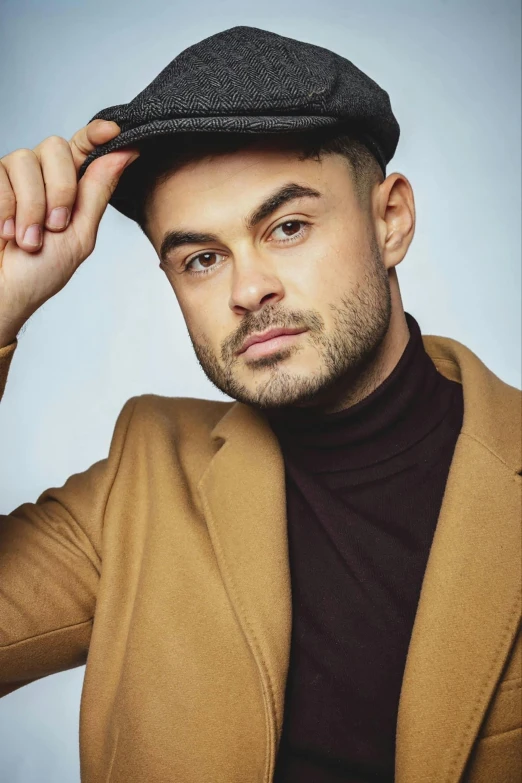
{"type": "Point", "coordinates": [161, 157]}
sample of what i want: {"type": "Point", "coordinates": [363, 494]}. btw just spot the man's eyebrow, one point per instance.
{"type": "Point", "coordinates": [174, 239]}
{"type": "Point", "coordinates": [288, 192]}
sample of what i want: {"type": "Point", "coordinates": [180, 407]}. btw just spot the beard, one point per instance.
{"type": "Point", "coordinates": [346, 353]}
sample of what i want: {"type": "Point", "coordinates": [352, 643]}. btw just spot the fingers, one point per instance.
{"type": "Point", "coordinates": [37, 191]}
{"type": "Point", "coordinates": [90, 136]}
{"type": "Point", "coordinates": [96, 188]}
{"type": "Point", "coordinates": [25, 191]}
{"type": "Point", "coordinates": [39, 188]}
{"type": "Point", "coordinates": [7, 207]}
{"type": "Point", "coordinates": [59, 178]}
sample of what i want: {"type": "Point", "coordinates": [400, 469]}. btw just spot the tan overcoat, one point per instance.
{"type": "Point", "coordinates": [165, 568]}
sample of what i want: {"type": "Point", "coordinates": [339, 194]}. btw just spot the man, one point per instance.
{"type": "Point", "coordinates": [317, 582]}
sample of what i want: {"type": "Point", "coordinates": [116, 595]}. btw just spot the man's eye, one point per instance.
{"type": "Point", "coordinates": [206, 261]}
{"type": "Point", "coordinates": [290, 230]}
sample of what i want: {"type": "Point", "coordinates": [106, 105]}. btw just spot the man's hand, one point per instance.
{"type": "Point", "coordinates": [49, 220]}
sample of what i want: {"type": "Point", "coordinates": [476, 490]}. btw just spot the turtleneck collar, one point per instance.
{"type": "Point", "coordinates": [401, 411]}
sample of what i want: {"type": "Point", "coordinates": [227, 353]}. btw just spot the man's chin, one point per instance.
{"type": "Point", "coordinates": [281, 379]}
{"type": "Point", "coordinates": [277, 390]}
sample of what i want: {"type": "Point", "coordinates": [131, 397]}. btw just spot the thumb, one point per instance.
{"type": "Point", "coordinates": [97, 186]}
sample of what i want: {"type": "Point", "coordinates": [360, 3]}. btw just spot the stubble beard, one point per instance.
{"type": "Point", "coordinates": [346, 354]}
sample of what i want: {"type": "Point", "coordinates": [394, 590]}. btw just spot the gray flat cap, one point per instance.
{"type": "Point", "coordinates": [249, 80]}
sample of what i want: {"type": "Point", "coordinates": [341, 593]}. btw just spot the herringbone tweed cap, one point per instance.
{"type": "Point", "coordinates": [249, 80]}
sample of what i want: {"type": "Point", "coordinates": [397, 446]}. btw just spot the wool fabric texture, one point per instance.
{"type": "Point", "coordinates": [164, 568]}
{"type": "Point", "coordinates": [250, 80]}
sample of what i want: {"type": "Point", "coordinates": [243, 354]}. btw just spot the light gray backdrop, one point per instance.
{"type": "Point", "coordinates": [452, 68]}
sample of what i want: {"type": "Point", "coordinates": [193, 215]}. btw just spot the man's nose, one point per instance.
{"type": "Point", "coordinates": [254, 285]}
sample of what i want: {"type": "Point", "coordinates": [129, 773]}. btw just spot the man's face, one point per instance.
{"type": "Point", "coordinates": [287, 246]}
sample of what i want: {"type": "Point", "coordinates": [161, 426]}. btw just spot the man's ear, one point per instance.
{"type": "Point", "coordinates": [394, 213]}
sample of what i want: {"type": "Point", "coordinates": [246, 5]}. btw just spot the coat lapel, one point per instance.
{"type": "Point", "coordinates": [469, 605]}
{"type": "Point", "coordinates": [244, 500]}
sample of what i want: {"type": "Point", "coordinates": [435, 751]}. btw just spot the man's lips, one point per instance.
{"type": "Point", "coordinates": [269, 335]}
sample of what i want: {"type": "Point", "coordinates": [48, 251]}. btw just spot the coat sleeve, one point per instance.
{"type": "Point", "coordinates": [50, 564]}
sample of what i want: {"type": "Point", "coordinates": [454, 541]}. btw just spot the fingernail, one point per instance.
{"type": "Point", "coordinates": [58, 217]}
{"type": "Point", "coordinates": [33, 235]}
{"type": "Point", "coordinates": [9, 227]}
{"type": "Point", "coordinates": [109, 124]}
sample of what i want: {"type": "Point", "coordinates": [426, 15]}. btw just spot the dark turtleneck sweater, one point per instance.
{"type": "Point", "coordinates": [364, 489]}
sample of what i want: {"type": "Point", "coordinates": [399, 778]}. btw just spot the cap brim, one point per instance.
{"type": "Point", "coordinates": [132, 137]}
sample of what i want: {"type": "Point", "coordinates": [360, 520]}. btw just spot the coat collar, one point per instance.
{"type": "Point", "coordinates": [469, 605]}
